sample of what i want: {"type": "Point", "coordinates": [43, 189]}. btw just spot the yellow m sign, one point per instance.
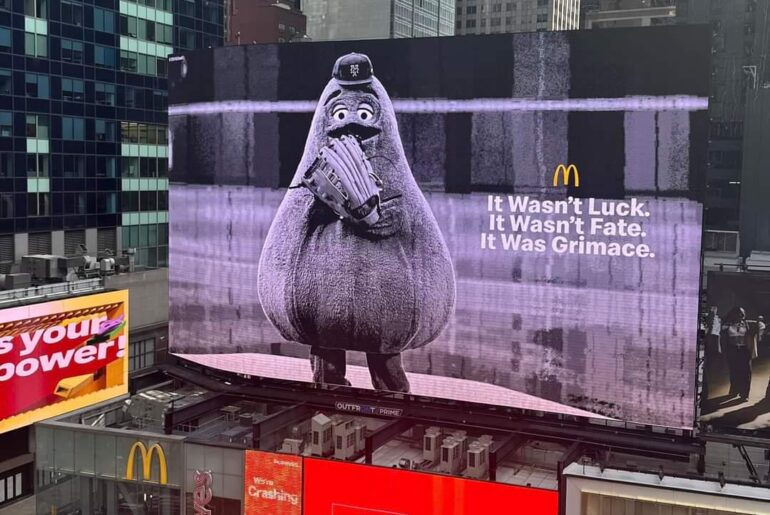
{"type": "Point", "coordinates": [147, 462]}
{"type": "Point", "coordinates": [566, 173]}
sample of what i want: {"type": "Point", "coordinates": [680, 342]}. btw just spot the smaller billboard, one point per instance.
{"type": "Point", "coordinates": [735, 393]}
{"type": "Point", "coordinates": [272, 484]}
{"type": "Point", "coordinates": [61, 356]}
{"type": "Point", "coordinates": [339, 488]}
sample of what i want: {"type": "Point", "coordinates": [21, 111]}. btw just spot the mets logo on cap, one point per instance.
{"type": "Point", "coordinates": [353, 69]}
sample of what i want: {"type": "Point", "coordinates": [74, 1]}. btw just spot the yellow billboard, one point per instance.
{"type": "Point", "coordinates": [62, 355]}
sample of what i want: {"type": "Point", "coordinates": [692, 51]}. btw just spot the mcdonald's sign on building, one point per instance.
{"type": "Point", "coordinates": [566, 171]}
{"type": "Point", "coordinates": [146, 457]}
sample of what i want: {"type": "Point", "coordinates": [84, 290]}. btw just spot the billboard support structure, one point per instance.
{"type": "Point", "coordinates": [383, 435]}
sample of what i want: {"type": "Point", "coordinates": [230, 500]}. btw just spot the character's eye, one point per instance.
{"type": "Point", "coordinates": [339, 112]}
{"type": "Point", "coordinates": [365, 112]}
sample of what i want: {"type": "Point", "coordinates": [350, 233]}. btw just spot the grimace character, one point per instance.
{"type": "Point", "coordinates": [375, 278]}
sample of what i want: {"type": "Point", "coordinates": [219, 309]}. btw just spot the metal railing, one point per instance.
{"type": "Point", "coordinates": [49, 292]}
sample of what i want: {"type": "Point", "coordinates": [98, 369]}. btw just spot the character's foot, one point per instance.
{"type": "Point", "coordinates": [328, 366]}
{"type": "Point", "coordinates": [387, 372]}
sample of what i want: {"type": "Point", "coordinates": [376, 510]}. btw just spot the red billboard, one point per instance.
{"type": "Point", "coordinates": [272, 484]}
{"type": "Point", "coordinates": [340, 488]}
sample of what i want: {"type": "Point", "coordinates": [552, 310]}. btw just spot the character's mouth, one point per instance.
{"type": "Point", "coordinates": [361, 132]}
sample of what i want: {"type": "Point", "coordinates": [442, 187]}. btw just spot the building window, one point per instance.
{"type": "Point", "coordinates": [188, 7]}
{"type": "Point", "coordinates": [128, 26]}
{"type": "Point", "coordinates": [105, 130]}
{"type": "Point", "coordinates": [37, 86]}
{"type": "Point", "coordinates": [105, 93]}
{"type": "Point", "coordinates": [72, 13]}
{"type": "Point", "coordinates": [5, 39]}
{"type": "Point", "coordinates": [146, 64]}
{"type": "Point", "coordinates": [6, 124]}
{"type": "Point", "coordinates": [128, 61]}
{"type": "Point", "coordinates": [160, 100]}
{"type": "Point", "coordinates": [471, 9]}
{"type": "Point", "coordinates": [37, 165]}
{"type": "Point", "coordinates": [6, 205]}
{"type": "Point", "coordinates": [510, 6]}
{"type": "Point", "coordinates": [161, 66]}
{"type": "Point", "coordinates": [36, 8]}
{"type": "Point", "coordinates": [6, 164]}
{"type": "Point", "coordinates": [542, 3]}
{"type": "Point", "coordinates": [494, 22]}
{"type": "Point", "coordinates": [164, 33]}
{"type": "Point", "coordinates": [72, 89]}
{"type": "Point", "coordinates": [106, 167]}
{"type": "Point", "coordinates": [129, 201]}
{"type": "Point", "coordinates": [147, 30]}
{"type": "Point", "coordinates": [6, 82]}
{"type": "Point", "coordinates": [483, 22]}
{"type": "Point", "coordinates": [37, 204]}
{"type": "Point", "coordinates": [163, 200]}
{"type": "Point", "coordinates": [131, 167]}
{"type": "Point", "coordinates": [470, 24]}
{"type": "Point", "coordinates": [148, 201]}
{"type": "Point", "coordinates": [72, 51]}
{"type": "Point", "coordinates": [37, 126]}
{"type": "Point", "coordinates": [104, 21]}
{"type": "Point", "coordinates": [186, 38]}
{"type": "Point", "coordinates": [129, 132]}
{"type": "Point", "coordinates": [104, 56]}
{"type": "Point", "coordinates": [134, 97]}
{"type": "Point", "coordinates": [542, 18]}
{"type": "Point", "coordinates": [6, 4]}
{"type": "Point", "coordinates": [106, 202]}
{"type": "Point", "coordinates": [73, 128]}
{"type": "Point", "coordinates": [496, 8]}
{"type": "Point", "coordinates": [74, 203]}
{"type": "Point", "coordinates": [35, 45]}
{"type": "Point", "coordinates": [73, 166]}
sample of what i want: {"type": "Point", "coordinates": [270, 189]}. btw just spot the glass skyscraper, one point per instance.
{"type": "Point", "coordinates": [83, 99]}
{"type": "Point", "coordinates": [329, 20]}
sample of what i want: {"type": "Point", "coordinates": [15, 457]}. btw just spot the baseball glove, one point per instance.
{"type": "Point", "coordinates": [342, 178]}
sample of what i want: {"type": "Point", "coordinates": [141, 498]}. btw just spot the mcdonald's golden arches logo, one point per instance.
{"type": "Point", "coordinates": [566, 173]}
{"type": "Point", "coordinates": [147, 456]}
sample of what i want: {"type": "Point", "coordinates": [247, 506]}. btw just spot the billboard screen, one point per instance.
{"type": "Point", "coordinates": [736, 373]}
{"type": "Point", "coordinates": [339, 488]}
{"type": "Point", "coordinates": [511, 220]}
{"type": "Point", "coordinates": [62, 355]}
{"type": "Point", "coordinates": [272, 483]}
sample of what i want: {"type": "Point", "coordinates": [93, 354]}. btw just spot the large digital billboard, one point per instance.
{"type": "Point", "coordinates": [339, 488]}
{"type": "Point", "coordinates": [511, 220]}
{"type": "Point", "coordinates": [272, 483]}
{"type": "Point", "coordinates": [736, 369]}
{"type": "Point", "coordinates": [62, 355]}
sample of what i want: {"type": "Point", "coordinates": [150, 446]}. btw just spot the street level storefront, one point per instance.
{"type": "Point", "coordinates": [213, 479]}
{"type": "Point", "coordinates": [590, 490]}
{"type": "Point", "coordinates": [99, 470]}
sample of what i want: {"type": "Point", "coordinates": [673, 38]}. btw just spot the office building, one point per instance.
{"type": "Point", "coordinates": [83, 100]}
{"type": "Point", "coordinates": [494, 16]}
{"type": "Point", "coordinates": [739, 110]}
{"type": "Point", "coordinates": [605, 14]}
{"type": "Point", "coordinates": [264, 21]}
{"type": "Point", "coordinates": [329, 20]}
